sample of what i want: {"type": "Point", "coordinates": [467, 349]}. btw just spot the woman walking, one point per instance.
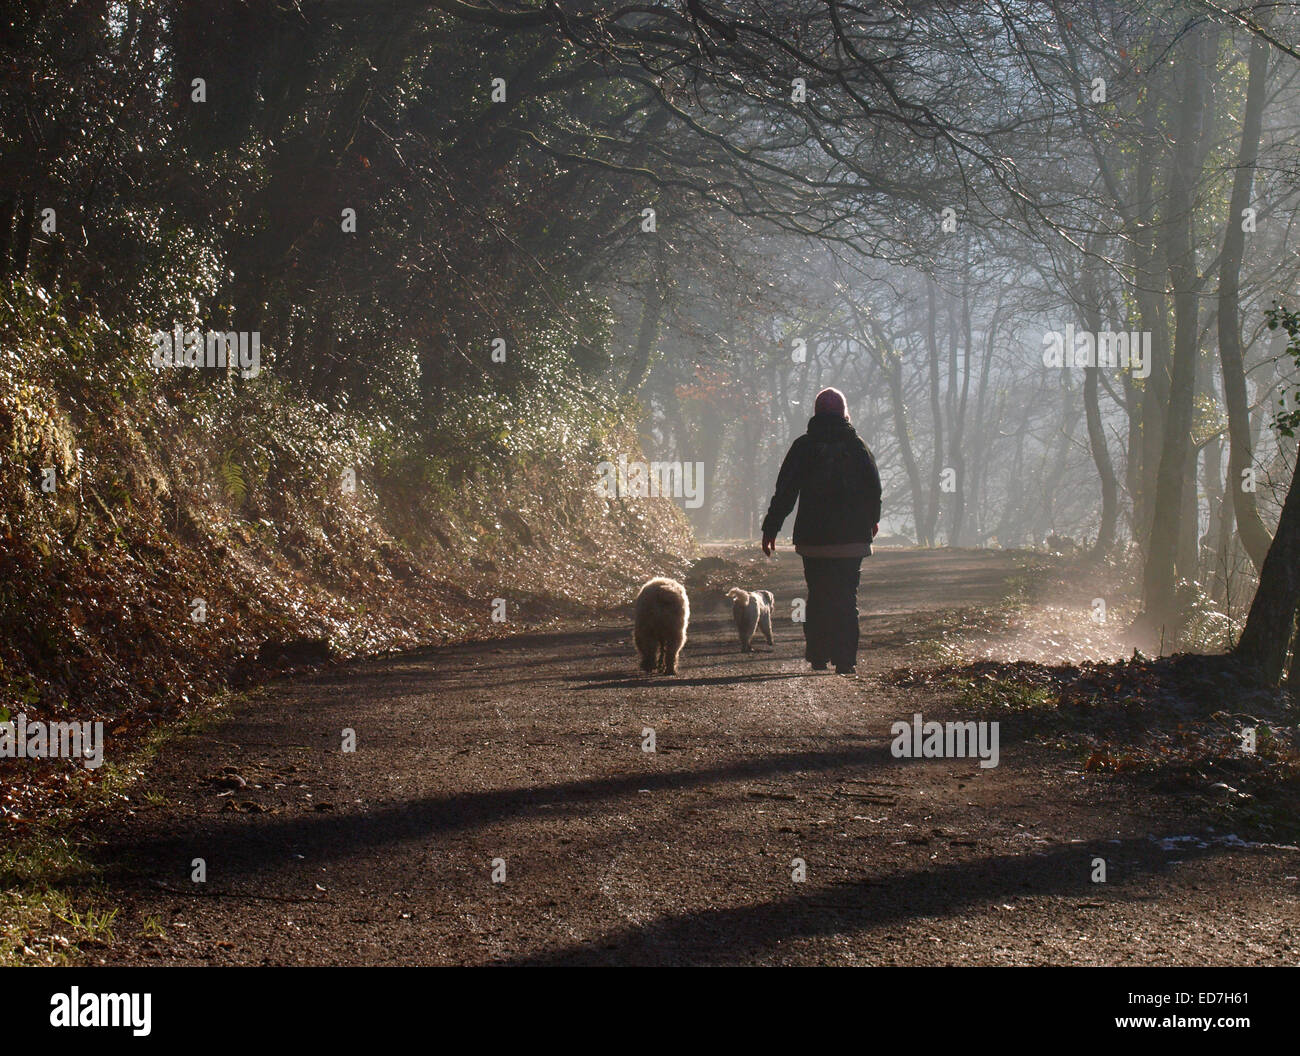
{"type": "Point", "coordinates": [831, 472]}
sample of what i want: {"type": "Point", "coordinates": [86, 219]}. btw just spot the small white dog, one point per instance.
{"type": "Point", "coordinates": [753, 612]}
{"type": "Point", "coordinates": [662, 614]}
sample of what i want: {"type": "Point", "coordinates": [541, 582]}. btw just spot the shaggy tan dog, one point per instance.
{"type": "Point", "coordinates": [752, 611]}
{"type": "Point", "coordinates": [662, 613]}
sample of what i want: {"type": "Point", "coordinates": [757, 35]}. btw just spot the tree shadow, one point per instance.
{"type": "Point", "coordinates": [252, 844]}
{"type": "Point", "coordinates": [669, 680]}
{"type": "Point", "coordinates": [739, 934]}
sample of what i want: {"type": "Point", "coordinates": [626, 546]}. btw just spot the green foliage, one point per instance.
{"type": "Point", "coordinates": [1208, 629]}
{"type": "Point", "coordinates": [226, 215]}
{"type": "Point", "coordinates": [1287, 419]}
{"type": "Point", "coordinates": [1005, 694]}
{"type": "Point", "coordinates": [232, 477]}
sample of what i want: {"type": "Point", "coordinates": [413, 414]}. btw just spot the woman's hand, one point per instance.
{"type": "Point", "coordinates": [875, 530]}
{"type": "Point", "coordinates": [769, 544]}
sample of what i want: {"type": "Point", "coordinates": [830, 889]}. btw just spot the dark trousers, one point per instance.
{"type": "Point", "coordinates": [830, 627]}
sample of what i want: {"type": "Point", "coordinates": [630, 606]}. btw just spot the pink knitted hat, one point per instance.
{"type": "Point", "coordinates": [830, 401]}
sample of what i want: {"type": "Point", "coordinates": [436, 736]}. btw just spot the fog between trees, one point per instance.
{"type": "Point", "coordinates": [482, 228]}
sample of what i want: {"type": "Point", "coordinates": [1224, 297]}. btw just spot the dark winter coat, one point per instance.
{"type": "Point", "coordinates": [832, 474]}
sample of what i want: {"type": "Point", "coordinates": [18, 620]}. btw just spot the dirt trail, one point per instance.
{"type": "Point", "coordinates": [530, 750]}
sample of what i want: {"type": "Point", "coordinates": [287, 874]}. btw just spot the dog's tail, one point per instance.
{"type": "Point", "coordinates": [736, 594]}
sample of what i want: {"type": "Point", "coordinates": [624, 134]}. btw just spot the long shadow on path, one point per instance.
{"type": "Point", "coordinates": [740, 933]}
{"type": "Point", "coordinates": [252, 845]}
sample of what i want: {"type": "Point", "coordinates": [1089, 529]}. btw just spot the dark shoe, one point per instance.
{"type": "Point", "coordinates": [850, 670]}
{"type": "Point", "coordinates": [820, 667]}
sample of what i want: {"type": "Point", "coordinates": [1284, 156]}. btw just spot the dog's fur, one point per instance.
{"type": "Point", "coordinates": [753, 612]}
{"type": "Point", "coordinates": [662, 613]}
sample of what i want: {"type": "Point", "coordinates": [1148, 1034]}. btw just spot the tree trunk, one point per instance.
{"type": "Point", "coordinates": [927, 532]}
{"type": "Point", "coordinates": [1149, 297]}
{"type": "Point", "coordinates": [1007, 532]}
{"type": "Point", "coordinates": [1100, 452]}
{"type": "Point", "coordinates": [648, 331]}
{"type": "Point", "coordinates": [981, 456]}
{"type": "Point", "coordinates": [1250, 526]}
{"type": "Point", "coordinates": [1212, 482]}
{"type": "Point", "coordinates": [1187, 558]}
{"type": "Point", "coordinates": [957, 434]}
{"type": "Point", "coordinates": [1270, 625]}
{"type": "Point", "coordinates": [1167, 517]}
{"type": "Point", "coordinates": [894, 372]}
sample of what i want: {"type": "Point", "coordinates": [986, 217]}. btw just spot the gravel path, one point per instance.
{"type": "Point", "coordinates": [529, 752]}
